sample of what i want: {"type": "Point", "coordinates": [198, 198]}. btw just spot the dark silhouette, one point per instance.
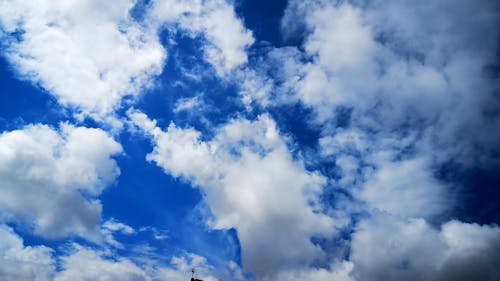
{"type": "Point", "coordinates": [192, 276]}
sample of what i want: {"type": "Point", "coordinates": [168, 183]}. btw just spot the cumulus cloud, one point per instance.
{"type": "Point", "coordinates": [391, 71]}
{"type": "Point", "coordinates": [337, 51]}
{"type": "Point", "coordinates": [182, 266]}
{"type": "Point", "coordinates": [38, 263]}
{"type": "Point", "coordinates": [389, 248]}
{"type": "Point", "coordinates": [251, 183]}
{"type": "Point", "coordinates": [84, 263]}
{"type": "Point", "coordinates": [379, 172]}
{"type": "Point", "coordinates": [341, 271]}
{"type": "Point", "coordinates": [226, 36]}
{"type": "Point", "coordinates": [87, 264]}
{"type": "Point", "coordinates": [406, 188]}
{"type": "Point", "coordinates": [379, 81]}
{"type": "Point", "coordinates": [87, 55]}
{"type": "Point", "coordinates": [395, 98]}
{"type": "Point", "coordinates": [24, 263]}
{"type": "Point", "coordinates": [51, 178]}
{"type": "Point", "coordinates": [90, 57]}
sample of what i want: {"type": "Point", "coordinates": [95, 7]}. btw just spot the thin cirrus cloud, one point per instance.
{"type": "Point", "coordinates": [396, 100]}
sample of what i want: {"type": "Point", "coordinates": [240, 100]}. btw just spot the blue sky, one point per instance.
{"type": "Point", "coordinates": [249, 140]}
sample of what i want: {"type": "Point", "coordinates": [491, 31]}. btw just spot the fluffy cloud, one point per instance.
{"type": "Point", "coordinates": [406, 188]}
{"type": "Point", "coordinates": [91, 57]}
{"type": "Point", "coordinates": [50, 178]}
{"type": "Point", "coordinates": [392, 72]}
{"type": "Point", "coordinates": [181, 268]}
{"type": "Point", "coordinates": [395, 97]}
{"type": "Point", "coordinates": [227, 38]}
{"type": "Point", "coordinates": [38, 263]}
{"type": "Point", "coordinates": [251, 183]}
{"type": "Point", "coordinates": [87, 55]}
{"type": "Point", "coordinates": [84, 263]}
{"type": "Point", "coordinates": [341, 271]}
{"type": "Point", "coordinates": [24, 263]}
{"type": "Point", "coordinates": [90, 264]}
{"type": "Point", "coordinates": [87, 264]}
{"type": "Point", "coordinates": [388, 248]}
{"type": "Point", "coordinates": [378, 171]}
{"type": "Point", "coordinates": [338, 50]}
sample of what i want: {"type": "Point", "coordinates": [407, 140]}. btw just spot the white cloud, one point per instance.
{"type": "Point", "coordinates": [388, 248]}
{"type": "Point", "coordinates": [414, 92]}
{"type": "Point", "coordinates": [393, 71]}
{"type": "Point", "coordinates": [227, 38]}
{"type": "Point", "coordinates": [396, 97]}
{"type": "Point", "coordinates": [91, 56]}
{"type": "Point", "coordinates": [88, 55]}
{"type": "Point", "coordinates": [254, 88]}
{"type": "Point", "coordinates": [384, 248]}
{"type": "Point", "coordinates": [412, 95]}
{"type": "Point", "coordinates": [83, 263]}
{"type": "Point", "coordinates": [158, 234]}
{"type": "Point", "coordinates": [38, 263]}
{"type": "Point", "coordinates": [338, 50]}
{"type": "Point", "coordinates": [352, 140]}
{"type": "Point", "coordinates": [188, 104]}
{"type": "Point", "coordinates": [87, 264]}
{"type": "Point", "coordinates": [251, 183]}
{"type": "Point", "coordinates": [405, 188]}
{"type": "Point", "coordinates": [113, 226]}
{"type": "Point", "coordinates": [181, 268]}
{"type": "Point", "coordinates": [350, 68]}
{"type": "Point", "coordinates": [340, 38]}
{"type": "Point", "coordinates": [50, 179]}
{"type": "Point", "coordinates": [341, 271]}
{"type": "Point", "coordinates": [23, 263]}
{"type": "Point", "coordinates": [376, 170]}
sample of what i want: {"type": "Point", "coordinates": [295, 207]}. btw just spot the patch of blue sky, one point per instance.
{"type": "Point", "coordinates": [22, 103]}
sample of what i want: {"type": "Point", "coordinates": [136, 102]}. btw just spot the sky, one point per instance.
{"type": "Point", "coordinates": [345, 140]}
